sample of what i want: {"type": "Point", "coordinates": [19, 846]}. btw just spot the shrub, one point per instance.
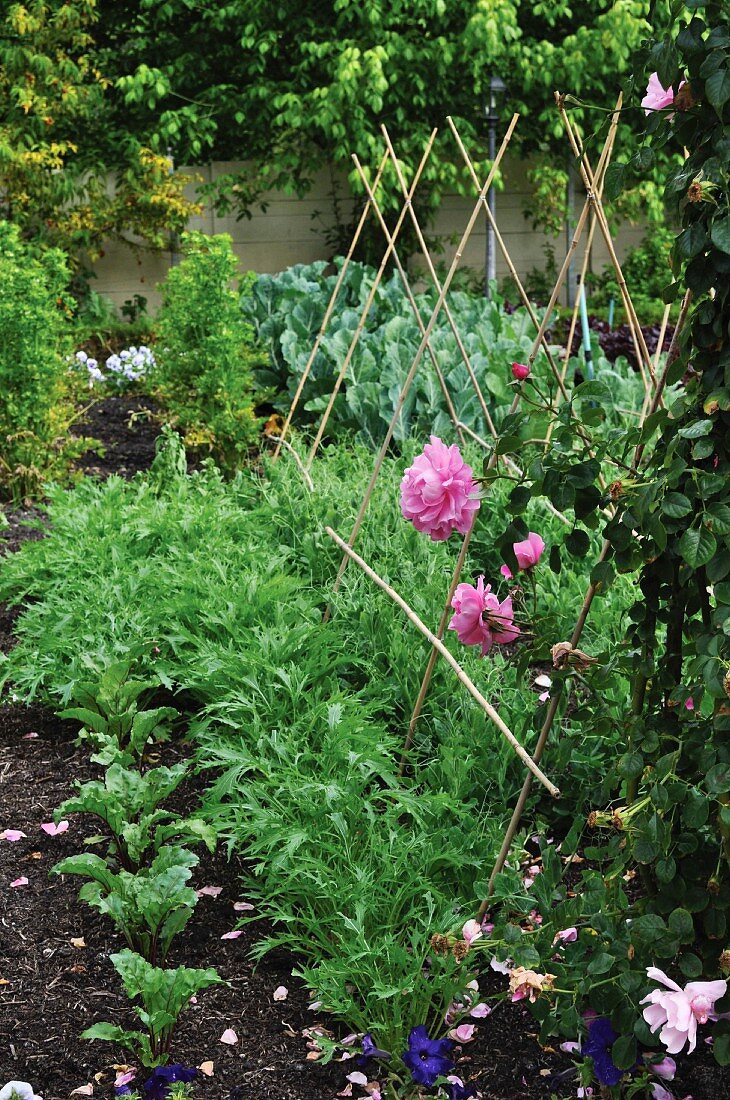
{"type": "Point", "coordinates": [35, 407]}
{"type": "Point", "coordinates": [205, 354]}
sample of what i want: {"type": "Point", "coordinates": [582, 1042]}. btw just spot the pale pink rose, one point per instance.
{"type": "Point", "coordinates": [657, 97]}
{"type": "Point", "coordinates": [677, 1011]}
{"type": "Point", "coordinates": [480, 618]}
{"type": "Point", "coordinates": [438, 493]}
{"type": "Point", "coordinates": [472, 931]}
{"type": "Point", "coordinates": [520, 371]}
{"type": "Point", "coordinates": [567, 935]}
{"type": "Point", "coordinates": [529, 551]}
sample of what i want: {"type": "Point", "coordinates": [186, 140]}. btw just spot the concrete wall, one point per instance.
{"type": "Point", "coordinates": [294, 231]}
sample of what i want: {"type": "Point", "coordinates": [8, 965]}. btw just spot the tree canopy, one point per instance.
{"type": "Point", "coordinates": [291, 87]}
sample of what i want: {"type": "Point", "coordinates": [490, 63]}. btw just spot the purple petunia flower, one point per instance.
{"type": "Point", "coordinates": [157, 1087]}
{"type": "Point", "coordinates": [369, 1050]}
{"type": "Point", "coordinates": [597, 1046]}
{"type": "Point", "coordinates": [427, 1059]}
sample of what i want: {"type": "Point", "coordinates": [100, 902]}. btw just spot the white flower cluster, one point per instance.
{"type": "Point", "coordinates": [18, 1090]}
{"type": "Point", "coordinates": [128, 366]}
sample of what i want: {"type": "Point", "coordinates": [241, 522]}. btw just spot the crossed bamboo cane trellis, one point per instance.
{"type": "Point", "coordinates": [592, 212]}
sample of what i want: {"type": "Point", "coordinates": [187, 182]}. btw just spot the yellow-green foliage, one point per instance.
{"type": "Point", "coordinates": [35, 406]}
{"type": "Point", "coordinates": [205, 353]}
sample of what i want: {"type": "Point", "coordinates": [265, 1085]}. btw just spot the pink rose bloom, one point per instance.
{"type": "Point", "coordinates": [529, 551]}
{"type": "Point", "coordinates": [438, 493]}
{"type": "Point", "coordinates": [657, 97]}
{"type": "Point", "coordinates": [520, 371]}
{"type": "Point", "coordinates": [677, 1011]}
{"type": "Point", "coordinates": [480, 618]}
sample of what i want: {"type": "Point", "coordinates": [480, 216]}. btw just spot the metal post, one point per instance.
{"type": "Point", "coordinates": [587, 349]}
{"type": "Point", "coordinates": [496, 89]}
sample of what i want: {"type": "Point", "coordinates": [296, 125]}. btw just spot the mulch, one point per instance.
{"type": "Point", "coordinates": [53, 988]}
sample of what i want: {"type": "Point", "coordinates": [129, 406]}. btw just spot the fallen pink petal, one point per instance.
{"type": "Point", "coordinates": [357, 1078]}
{"type": "Point", "coordinates": [281, 993]}
{"type": "Point", "coordinates": [464, 1033]}
{"type": "Point", "coordinates": [232, 935]}
{"type": "Point", "coordinates": [229, 1037]}
{"type": "Point", "coordinates": [53, 829]}
{"type": "Point", "coordinates": [243, 906]}
{"type": "Point", "coordinates": [480, 1011]}
{"type": "Point", "coordinates": [22, 881]}
{"type": "Point", "coordinates": [12, 835]}
{"type": "Point", "coordinates": [32, 736]}
{"type": "Point", "coordinates": [209, 891]}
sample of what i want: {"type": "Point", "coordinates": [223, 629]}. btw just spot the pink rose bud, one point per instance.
{"type": "Point", "coordinates": [520, 371]}
{"type": "Point", "coordinates": [529, 551]}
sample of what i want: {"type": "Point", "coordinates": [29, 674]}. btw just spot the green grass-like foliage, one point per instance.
{"type": "Point", "coordinates": [221, 586]}
{"type": "Point", "coordinates": [204, 354]}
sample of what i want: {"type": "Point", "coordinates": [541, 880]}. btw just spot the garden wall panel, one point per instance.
{"type": "Point", "coordinates": [293, 230]}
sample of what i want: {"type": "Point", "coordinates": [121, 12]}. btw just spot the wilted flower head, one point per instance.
{"type": "Point", "coordinates": [677, 1011]}
{"type": "Point", "coordinates": [370, 1050]}
{"type": "Point", "coordinates": [528, 984]}
{"type": "Point", "coordinates": [427, 1059]}
{"type": "Point", "coordinates": [438, 493]}
{"type": "Point", "coordinates": [480, 618]}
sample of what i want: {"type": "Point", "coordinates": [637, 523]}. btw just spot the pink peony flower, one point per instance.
{"type": "Point", "coordinates": [657, 97]}
{"type": "Point", "coordinates": [438, 493]}
{"type": "Point", "coordinates": [677, 1011]}
{"type": "Point", "coordinates": [529, 551]}
{"type": "Point", "coordinates": [480, 618]}
{"type": "Point", "coordinates": [520, 371]}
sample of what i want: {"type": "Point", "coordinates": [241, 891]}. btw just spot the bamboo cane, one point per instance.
{"type": "Point", "coordinates": [330, 307]}
{"type": "Point", "coordinates": [432, 271]}
{"type": "Point", "coordinates": [451, 661]}
{"type": "Point", "coordinates": [409, 295]}
{"type": "Point", "coordinates": [366, 307]}
{"type": "Point", "coordinates": [419, 355]}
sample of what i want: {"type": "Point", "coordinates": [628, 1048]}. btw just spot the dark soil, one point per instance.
{"type": "Point", "coordinates": [51, 987]}
{"type": "Point", "coordinates": [126, 428]}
